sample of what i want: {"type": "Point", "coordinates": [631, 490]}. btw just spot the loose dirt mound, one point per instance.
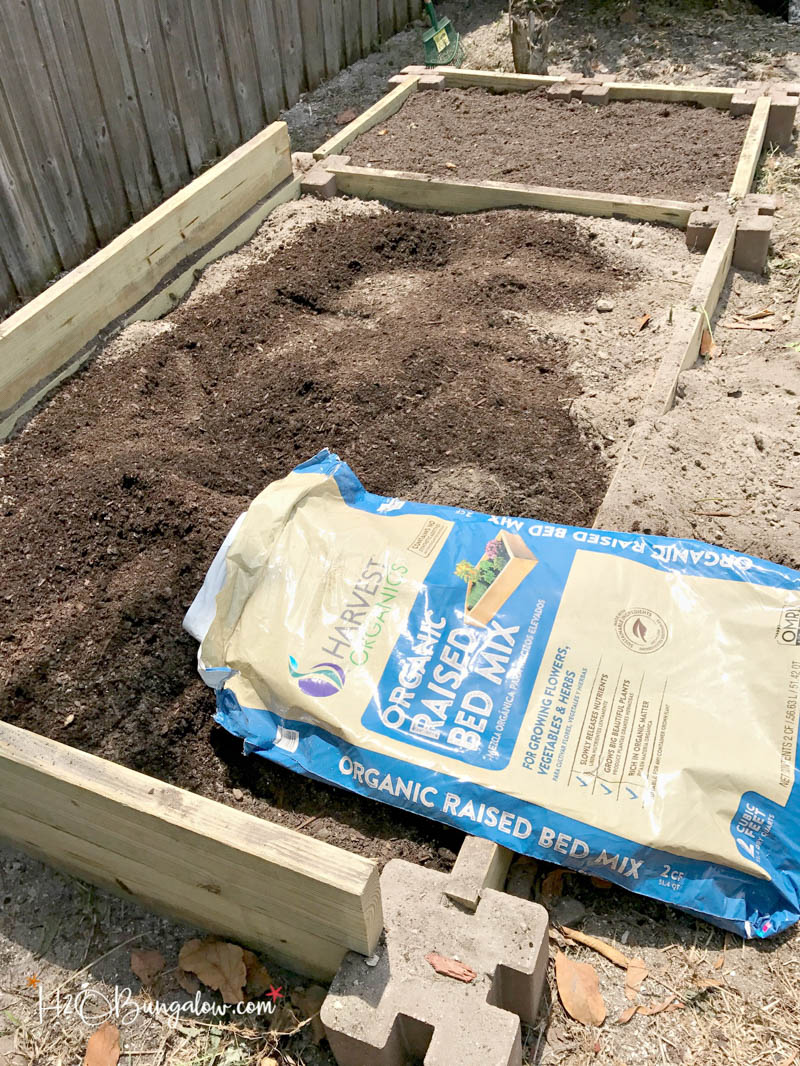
{"type": "Point", "coordinates": [397, 340]}
{"type": "Point", "coordinates": [675, 151]}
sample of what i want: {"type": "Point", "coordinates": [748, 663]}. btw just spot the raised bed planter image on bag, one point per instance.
{"type": "Point", "coordinates": [504, 565]}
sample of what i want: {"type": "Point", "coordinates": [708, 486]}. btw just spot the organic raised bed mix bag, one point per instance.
{"type": "Point", "coordinates": [625, 705]}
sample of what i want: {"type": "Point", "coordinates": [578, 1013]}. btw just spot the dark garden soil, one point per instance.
{"type": "Point", "coordinates": [637, 148]}
{"type": "Point", "coordinates": [397, 340]}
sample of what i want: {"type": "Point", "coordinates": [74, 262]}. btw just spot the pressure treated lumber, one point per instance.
{"type": "Point", "coordinates": [385, 107]}
{"type": "Point", "coordinates": [46, 334]}
{"type": "Point", "coordinates": [456, 78]}
{"type": "Point", "coordinates": [439, 194]}
{"type": "Point", "coordinates": [480, 864]}
{"type": "Point", "coordinates": [751, 150]}
{"type": "Point", "coordinates": [303, 901]}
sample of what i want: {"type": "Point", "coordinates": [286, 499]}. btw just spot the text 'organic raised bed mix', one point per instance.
{"type": "Point", "coordinates": [623, 704]}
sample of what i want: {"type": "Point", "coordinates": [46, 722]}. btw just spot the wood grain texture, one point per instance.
{"type": "Point", "coordinates": [194, 111]}
{"type": "Point", "coordinates": [237, 35]}
{"type": "Point", "coordinates": [751, 150]}
{"type": "Point", "coordinates": [216, 74]}
{"type": "Point", "coordinates": [290, 42]}
{"type": "Point", "coordinates": [35, 116]}
{"type": "Point", "coordinates": [487, 79]}
{"type": "Point", "coordinates": [352, 30]}
{"type": "Point", "coordinates": [369, 26]}
{"type": "Point", "coordinates": [437, 194]}
{"type": "Point", "coordinates": [386, 18]}
{"type": "Point", "coordinates": [82, 114]}
{"type": "Point", "coordinates": [105, 42]}
{"type": "Point", "coordinates": [38, 340]}
{"type": "Point", "coordinates": [303, 901]}
{"type": "Point", "coordinates": [267, 47]}
{"type": "Point", "coordinates": [333, 35]}
{"type": "Point", "coordinates": [312, 28]}
{"type": "Point", "coordinates": [8, 290]}
{"type": "Point", "coordinates": [386, 106]}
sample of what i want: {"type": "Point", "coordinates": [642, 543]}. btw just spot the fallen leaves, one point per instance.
{"type": "Point", "coordinates": [637, 971]}
{"type": "Point", "coordinates": [451, 967]}
{"type": "Point", "coordinates": [552, 886]}
{"type": "Point", "coordinates": [147, 965]}
{"type": "Point", "coordinates": [219, 965]}
{"type": "Point", "coordinates": [707, 345]}
{"type": "Point", "coordinates": [579, 990]}
{"type": "Point", "coordinates": [344, 117]}
{"type": "Point", "coordinates": [608, 951]}
{"type": "Point", "coordinates": [657, 1007]}
{"type": "Point", "coordinates": [310, 1001]}
{"type": "Point", "coordinates": [642, 322]}
{"type": "Point", "coordinates": [103, 1048]}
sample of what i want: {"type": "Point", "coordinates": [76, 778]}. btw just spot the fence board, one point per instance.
{"type": "Point", "coordinates": [8, 291]}
{"type": "Point", "coordinates": [107, 106]}
{"type": "Point", "coordinates": [369, 26]}
{"type": "Point", "coordinates": [386, 18]}
{"type": "Point", "coordinates": [82, 115]}
{"type": "Point", "coordinates": [187, 78]}
{"type": "Point", "coordinates": [35, 115]}
{"type": "Point", "coordinates": [333, 36]}
{"type": "Point", "coordinates": [290, 41]}
{"type": "Point", "coordinates": [28, 249]}
{"type": "Point", "coordinates": [311, 27]}
{"type": "Point", "coordinates": [351, 10]}
{"type": "Point", "coordinates": [242, 61]}
{"type": "Point", "coordinates": [216, 74]}
{"type": "Point", "coordinates": [156, 94]}
{"type": "Point", "coordinates": [268, 56]}
{"type": "Point", "coordinates": [127, 131]}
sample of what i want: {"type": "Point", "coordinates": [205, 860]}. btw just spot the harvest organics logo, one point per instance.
{"type": "Point", "coordinates": [324, 679]}
{"type": "Point", "coordinates": [641, 630]}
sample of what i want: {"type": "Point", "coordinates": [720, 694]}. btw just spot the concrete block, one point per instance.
{"type": "Point", "coordinates": [701, 228]}
{"type": "Point", "coordinates": [743, 103]}
{"type": "Point", "coordinates": [780, 124]}
{"type": "Point", "coordinates": [761, 203]}
{"type": "Point", "coordinates": [414, 70]}
{"type": "Point", "coordinates": [399, 79]}
{"type": "Point", "coordinates": [751, 247]}
{"type": "Point", "coordinates": [563, 90]}
{"type": "Point", "coordinates": [398, 1007]}
{"type": "Point", "coordinates": [598, 95]}
{"type": "Point", "coordinates": [481, 864]}
{"type": "Point", "coordinates": [431, 81]}
{"type": "Point", "coordinates": [319, 182]}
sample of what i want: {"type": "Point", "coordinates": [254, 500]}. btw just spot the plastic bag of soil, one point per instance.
{"type": "Point", "coordinates": [624, 705]}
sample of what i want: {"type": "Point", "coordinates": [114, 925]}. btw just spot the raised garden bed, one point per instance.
{"type": "Point", "coordinates": [678, 151]}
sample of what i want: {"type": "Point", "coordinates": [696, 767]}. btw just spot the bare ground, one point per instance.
{"type": "Point", "coordinates": [56, 927]}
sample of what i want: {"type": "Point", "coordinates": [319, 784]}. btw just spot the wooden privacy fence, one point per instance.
{"type": "Point", "coordinates": [107, 107]}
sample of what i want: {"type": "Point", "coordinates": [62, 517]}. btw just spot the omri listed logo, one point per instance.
{"type": "Point", "coordinates": [324, 679]}
{"type": "Point", "coordinates": [641, 630]}
{"type": "Point", "coordinates": [789, 627]}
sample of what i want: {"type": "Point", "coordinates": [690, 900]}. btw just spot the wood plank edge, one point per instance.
{"type": "Point", "coordinates": [750, 155]}
{"type": "Point", "coordinates": [160, 300]}
{"type": "Point", "coordinates": [388, 105]}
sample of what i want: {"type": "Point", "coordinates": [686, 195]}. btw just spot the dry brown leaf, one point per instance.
{"type": "Point", "coordinates": [309, 1001]}
{"type": "Point", "coordinates": [669, 1004]}
{"type": "Point", "coordinates": [707, 345]}
{"type": "Point", "coordinates": [766, 312]}
{"type": "Point", "coordinates": [642, 323]}
{"type": "Point", "coordinates": [705, 984]}
{"type": "Point", "coordinates": [451, 967]}
{"type": "Point", "coordinates": [188, 982]}
{"type": "Point", "coordinates": [749, 325]}
{"type": "Point", "coordinates": [344, 117]}
{"type": "Point", "coordinates": [720, 962]}
{"type": "Point", "coordinates": [219, 965]}
{"type": "Point", "coordinates": [382, 133]}
{"type": "Point", "coordinates": [626, 1015]}
{"type": "Point", "coordinates": [552, 885]}
{"type": "Point", "coordinates": [601, 883]}
{"type": "Point", "coordinates": [451, 166]}
{"type": "Point", "coordinates": [258, 978]}
{"type": "Point", "coordinates": [147, 965]}
{"type": "Point", "coordinates": [637, 971]}
{"type": "Point", "coordinates": [103, 1048]}
{"type": "Point", "coordinates": [579, 990]}
{"type": "Point", "coordinates": [607, 950]}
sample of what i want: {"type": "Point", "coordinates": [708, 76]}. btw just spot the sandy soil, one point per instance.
{"type": "Point", "coordinates": [59, 927]}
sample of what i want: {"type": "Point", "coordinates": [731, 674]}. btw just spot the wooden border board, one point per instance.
{"type": "Point", "coordinates": [39, 341]}
{"type": "Point", "coordinates": [441, 194]}
{"type": "Point", "coordinates": [302, 900]}
{"type": "Point", "coordinates": [386, 106]}
{"type": "Point", "coordinates": [751, 150]}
